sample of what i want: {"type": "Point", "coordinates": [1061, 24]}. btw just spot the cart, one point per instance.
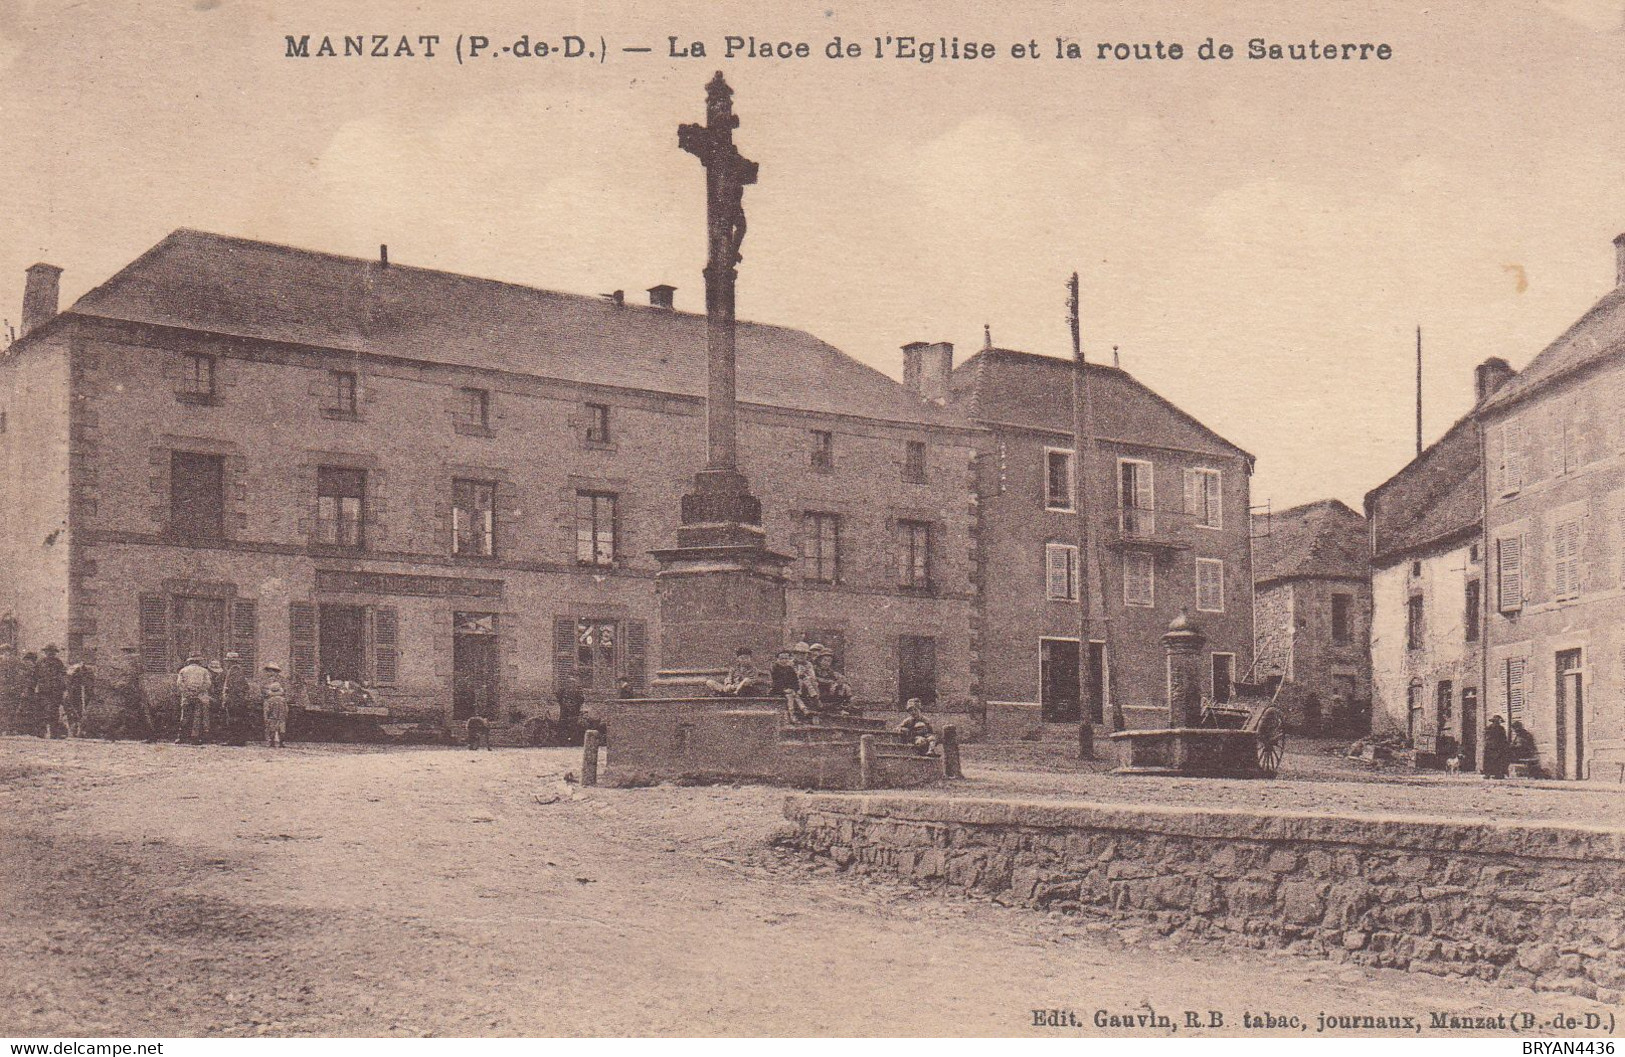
{"type": "Point", "coordinates": [1244, 737]}
{"type": "Point", "coordinates": [1253, 710]}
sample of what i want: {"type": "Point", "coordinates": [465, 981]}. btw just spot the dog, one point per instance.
{"type": "Point", "coordinates": [479, 731]}
{"type": "Point", "coordinates": [1452, 765]}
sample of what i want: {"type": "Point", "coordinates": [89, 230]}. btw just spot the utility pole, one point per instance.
{"type": "Point", "coordinates": [1418, 389]}
{"type": "Point", "coordinates": [1082, 447]}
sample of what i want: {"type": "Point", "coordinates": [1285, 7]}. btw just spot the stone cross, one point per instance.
{"type": "Point", "coordinates": [727, 173]}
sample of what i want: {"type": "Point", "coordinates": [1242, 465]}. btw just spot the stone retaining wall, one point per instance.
{"type": "Point", "coordinates": [1533, 905]}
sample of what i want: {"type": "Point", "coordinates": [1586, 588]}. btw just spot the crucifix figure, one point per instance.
{"type": "Point", "coordinates": [727, 173]}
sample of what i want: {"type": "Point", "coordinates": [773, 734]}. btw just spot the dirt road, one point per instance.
{"type": "Point", "coordinates": [170, 890]}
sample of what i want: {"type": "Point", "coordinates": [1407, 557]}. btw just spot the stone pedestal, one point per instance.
{"type": "Point", "coordinates": [1183, 643]}
{"type": "Point", "coordinates": [720, 588]}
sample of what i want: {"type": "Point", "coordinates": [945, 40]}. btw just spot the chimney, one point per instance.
{"type": "Point", "coordinates": [383, 255]}
{"type": "Point", "coordinates": [1491, 375]}
{"type": "Point", "coordinates": [661, 296]}
{"type": "Point", "coordinates": [926, 366]}
{"type": "Point", "coordinates": [39, 296]}
{"type": "Point", "coordinates": [1619, 260]}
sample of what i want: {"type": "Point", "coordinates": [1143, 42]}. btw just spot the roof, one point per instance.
{"type": "Point", "coordinates": [1008, 386]}
{"type": "Point", "coordinates": [1324, 539]}
{"type": "Point", "coordinates": [1595, 336]}
{"type": "Point", "coordinates": [243, 288]}
{"type": "Point", "coordinates": [1438, 497]}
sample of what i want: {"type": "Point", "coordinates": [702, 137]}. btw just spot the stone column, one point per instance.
{"type": "Point", "coordinates": [1183, 644]}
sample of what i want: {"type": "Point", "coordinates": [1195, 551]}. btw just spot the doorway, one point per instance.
{"type": "Point", "coordinates": [1570, 716]}
{"type": "Point", "coordinates": [1469, 729]}
{"type": "Point", "coordinates": [1058, 680]}
{"type": "Point", "coordinates": [1099, 681]}
{"type": "Point", "coordinates": [474, 666]}
{"type": "Point", "coordinates": [341, 645]}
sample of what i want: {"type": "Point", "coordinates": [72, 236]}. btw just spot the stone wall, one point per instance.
{"type": "Point", "coordinates": [1519, 904]}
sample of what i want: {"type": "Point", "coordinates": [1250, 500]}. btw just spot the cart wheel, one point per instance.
{"type": "Point", "coordinates": [1270, 734]}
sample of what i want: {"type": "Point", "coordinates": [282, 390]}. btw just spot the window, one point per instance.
{"type": "Point", "coordinates": [1509, 573]}
{"type": "Point", "coordinates": [914, 461]}
{"type": "Point", "coordinates": [1413, 711]}
{"type": "Point", "coordinates": [823, 450]}
{"type": "Point", "coordinates": [1224, 676]}
{"type": "Point", "coordinates": [914, 554]}
{"type": "Point", "coordinates": [1209, 585]}
{"type": "Point", "coordinates": [1413, 622]}
{"type": "Point", "coordinates": [197, 378]}
{"type": "Point", "coordinates": [1565, 440]}
{"type": "Point", "coordinates": [1342, 619]}
{"type": "Point", "coordinates": [597, 424]}
{"type": "Point", "coordinates": [1472, 553]}
{"type": "Point", "coordinates": [1445, 708]}
{"type": "Point", "coordinates": [341, 393]}
{"type": "Point", "coordinates": [917, 669]}
{"type": "Point", "coordinates": [595, 528]}
{"type": "Point", "coordinates": [1061, 572]}
{"type": "Point", "coordinates": [341, 507]}
{"type": "Point", "coordinates": [595, 652]}
{"type": "Point", "coordinates": [1516, 696]}
{"type": "Point", "coordinates": [1136, 496]}
{"type": "Point", "coordinates": [1475, 603]}
{"type": "Point", "coordinates": [1058, 479]}
{"type": "Point", "coordinates": [1139, 579]}
{"type": "Point", "coordinates": [473, 410]}
{"type": "Point", "coordinates": [197, 628]}
{"type": "Point", "coordinates": [1204, 497]}
{"type": "Point", "coordinates": [1566, 560]}
{"type": "Point", "coordinates": [1508, 456]}
{"type": "Point", "coordinates": [822, 549]}
{"type": "Point", "coordinates": [473, 518]}
{"type": "Point", "coordinates": [197, 494]}
{"type": "Point", "coordinates": [1416, 568]}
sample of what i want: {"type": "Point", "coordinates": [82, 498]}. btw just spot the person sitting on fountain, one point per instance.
{"type": "Point", "coordinates": [916, 729]}
{"type": "Point", "coordinates": [742, 676]}
{"type": "Point", "coordinates": [803, 699]}
{"type": "Point", "coordinates": [833, 689]}
{"type": "Point", "coordinates": [783, 682]}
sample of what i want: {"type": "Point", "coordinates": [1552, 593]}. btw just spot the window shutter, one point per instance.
{"type": "Point", "coordinates": [386, 666]}
{"type": "Point", "coordinates": [1515, 689]}
{"type": "Point", "coordinates": [1213, 499]}
{"type": "Point", "coordinates": [1054, 571]}
{"type": "Point", "coordinates": [1510, 556]}
{"type": "Point", "coordinates": [155, 658]}
{"type": "Point", "coordinates": [564, 650]}
{"type": "Point", "coordinates": [637, 652]}
{"type": "Point", "coordinates": [302, 639]}
{"type": "Point", "coordinates": [1193, 494]}
{"type": "Point", "coordinates": [245, 633]}
{"type": "Point", "coordinates": [1145, 490]}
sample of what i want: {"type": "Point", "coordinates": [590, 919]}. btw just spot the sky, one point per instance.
{"type": "Point", "coordinates": [1258, 239]}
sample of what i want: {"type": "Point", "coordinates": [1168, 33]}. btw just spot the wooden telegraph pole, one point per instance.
{"type": "Point", "coordinates": [1082, 446]}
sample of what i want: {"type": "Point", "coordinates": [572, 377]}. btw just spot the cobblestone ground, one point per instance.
{"type": "Point", "coordinates": [168, 890]}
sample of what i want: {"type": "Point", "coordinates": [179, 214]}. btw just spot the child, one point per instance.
{"type": "Point", "coordinates": [916, 731]}
{"type": "Point", "coordinates": [274, 705]}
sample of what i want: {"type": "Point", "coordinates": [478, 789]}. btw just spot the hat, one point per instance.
{"type": "Point", "coordinates": [913, 704]}
{"type": "Point", "coordinates": [52, 648]}
{"type": "Point", "coordinates": [801, 647]}
{"type": "Point", "coordinates": [819, 647]}
{"type": "Point", "coordinates": [744, 651]}
{"type": "Point", "coordinates": [193, 658]}
{"type": "Point", "coordinates": [277, 668]}
{"type": "Point", "coordinates": [233, 655]}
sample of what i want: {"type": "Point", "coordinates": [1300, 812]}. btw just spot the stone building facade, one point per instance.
{"type": "Point", "coordinates": [1554, 537]}
{"type": "Point", "coordinates": [1428, 591]}
{"type": "Point", "coordinates": [1312, 611]}
{"type": "Point", "coordinates": [448, 486]}
{"type": "Point", "coordinates": [1168, 501]}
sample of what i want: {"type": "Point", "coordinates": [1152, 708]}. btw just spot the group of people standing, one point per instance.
{"type": "Point", "coordinates": [212, 700]}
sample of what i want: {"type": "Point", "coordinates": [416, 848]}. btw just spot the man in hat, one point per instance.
{"type": "Point", "coordinates": [273, 705]}
{"type": "Point", "coordinates": [28, 718]}
{"type": "Point", "coordinates": [50, 687]}
{"type": "Point", "coordinates": [806, 678]}
{"type": "Point", "coordinates": [1496, 748]}
{"type": "Point", "coordinates": [741, 678]}
{"type": "Point", "coordinates": [833, 689]}
{"type": "Point", "coordinates": [135, 716]}
{"type": "Point", "coordinates": [193, 683]}
{"type": "Point", "coordinates": [235, 700]}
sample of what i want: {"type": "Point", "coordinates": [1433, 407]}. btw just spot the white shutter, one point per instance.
{"type": "Point", "coordinates": [1566, 560]}
{"type": "Point", "coordinates": [1515, 689]}
{"type": "Point", "coordinates": [1210, 585]}
{"type": "Point", "coordinates": [1193, 494]}
{"type": "Point", "coordinates": [1061, 571]}
{"type": "Point", "coordinates": [1214, 482]}
{"type": "Point", "coordinates": [1509, 557]}
{"type": "Point", "coordinates": [1145, 492]}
